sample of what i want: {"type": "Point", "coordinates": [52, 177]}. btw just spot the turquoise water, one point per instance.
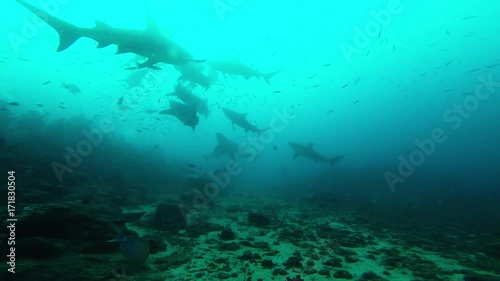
{"type": "Point", "coordinates": [407, 91]}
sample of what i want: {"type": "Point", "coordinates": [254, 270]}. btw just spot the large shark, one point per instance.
{"type": "Point", "coordinates": [149, 42]}
{"type": "Point", "coordinates": [188, 97]}
{"type": "Point", "coordinates": [224, 147]}
{"type": "Point", "coordinates": [308, 151]}
{"type": "Point", "coordinates": [234, 66]}
{"type": "Point", "coordinates": [186, 113]}
{"type": "Point", "coordinates": [240, 119]}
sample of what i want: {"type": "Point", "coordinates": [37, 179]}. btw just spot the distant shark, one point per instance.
{"type": "Point", "coordinates": [186, 113]}
{"type": "Point", "coordinates": [307, 151]}
{"type": "Point", "coordinates": [149, 42]}
{"type": "Point", "coordinates": [240, 119]}
{"type": "Point", "coordinates": [188, 97]}
{"type": "Point", "coordinates": [234, 66]}
{"type": "Point", "coordinates": [195, 73]}
{"type": "Point", "coordinates": [224, 147]}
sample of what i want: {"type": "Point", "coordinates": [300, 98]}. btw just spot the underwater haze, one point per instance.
{"type": "Point", "coordinates": [250, 140]}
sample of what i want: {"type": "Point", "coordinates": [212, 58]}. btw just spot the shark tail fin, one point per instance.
{"type": "Point", "coordinates": [68, 33]}
{"type": "Point", "coordinates": [334, 160]}
{"type": "Point", "coordinates": [268, 76]}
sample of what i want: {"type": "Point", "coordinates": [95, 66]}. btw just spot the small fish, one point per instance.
{"type": "Point", "coordinates": [13, 103]}
{"type": "Point", "coordinates": [62, 107]}
{"type": "Point", "coordinates": [120, 100]}
{"type": "Point", "coordinates": [447, 32]}
{"type": "Point", "coordinates": [448, 63]}
{"type": "Point", "coordinates": [355, 102]}
{"type": "Point", "coordinates": [157, 118]}
{"type": "Point", "coordinates": [138, 130]}
{"type": "Point", "coordinates": [155, 146]}
{"type": "Point", "coordinates": [46, 82]}
{"type": "Point", "coordinates": [327, 64]}
{"type": "Point", "coordinates": [38, 104]}
{"type": "Point", "coordinates": [356, 81]}
{"type": "Point", "coordinates": [316, 86]}
{"type": "Point", "coordinates": [72, 88]}
{"type": "Point", "coordinates": [3, 109]}
{"type": "Point", "coordinates": [330, 111]}
{"type": "Point", "coordinates": [192, 166]}
{"type": "Point", "coordinates": [345, 85]}
{"type": "Point", "coordinates": [314, 75]}
{"type": "Point", "coordinates": [277, 92]}
{"type": "Point", "coordinates": [275, 147]}
{"type": "Point", "coordinates": [468, 18]}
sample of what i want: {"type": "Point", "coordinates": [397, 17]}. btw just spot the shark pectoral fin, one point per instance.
{"type": "Point", "coordinates": [122, 50]}
{"type": "Point", "coordinates": [103, 44]}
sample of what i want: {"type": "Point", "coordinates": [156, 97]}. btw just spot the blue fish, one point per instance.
{"type": "Point", "coordinates": [133, 247]}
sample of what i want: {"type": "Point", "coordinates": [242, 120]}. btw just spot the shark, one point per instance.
{"type": "Point", "coordinates": [307, 151]}
{"type": "Point", "coordinates": [224, 147]}
{"type": "Point", "coordinates": [235, 67]}
{"type": "Point", "coordinates": [196, 74]}
{"type": "Point", "coordinates": [135, 78]}
{"type": "Point", "coordinates": [148, 42]}
{"type": "Point", "coordinates": [240, 119]}
{"type": "Point", "coordinates": [186, 113]}
{"type": "Point", "coordinates": [188, 97]}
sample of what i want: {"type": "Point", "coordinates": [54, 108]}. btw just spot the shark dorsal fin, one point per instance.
{"type": "Point", "coordinates": [101, 25]}
{"type": "Point", "coordinates": [151, 25]}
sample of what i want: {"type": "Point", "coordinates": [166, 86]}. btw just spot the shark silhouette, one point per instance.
{"type": "Point", "coordinates": [149, 42]}
{"type": "Point", "coordinates": [196, 74]}
{"type": "Point", "coordinates": [240, 119]}
{"type": "Point", "coordinates": [224, 147]}
{"type": "Point", "coordinates": [308, 151]}
{"type": "Point", "coordinates": [234, 66]}
{"type": "Point", "coordinates": [188, 97]}
{"type": "Point", "coordinates": [186, 113]}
